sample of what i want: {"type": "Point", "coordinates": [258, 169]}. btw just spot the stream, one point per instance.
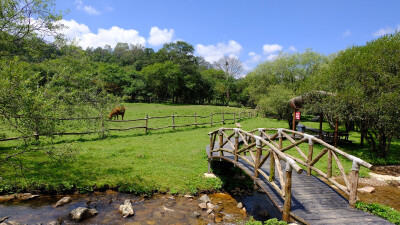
{"type": "Point", "coordinates": [158, 209]}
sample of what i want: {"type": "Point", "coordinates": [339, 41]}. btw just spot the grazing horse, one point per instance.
{"type": "Point", "coordinates": [116, 112]}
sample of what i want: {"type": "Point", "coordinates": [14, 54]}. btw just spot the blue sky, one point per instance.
{"type": "Point", "coordinates": [252, 30]}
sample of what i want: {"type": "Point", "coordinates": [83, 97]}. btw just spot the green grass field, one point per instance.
{"type": "Point", "coordinates": [163, 161]}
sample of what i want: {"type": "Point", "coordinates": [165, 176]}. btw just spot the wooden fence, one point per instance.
{"type": "Point", "coordinates": [234, 117]}
{"type": "Point", "coordinates": [264, 146]}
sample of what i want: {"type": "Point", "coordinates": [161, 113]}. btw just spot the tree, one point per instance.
{"type": "Point", "coordinates": [366, 80]}
{"type": "Point", "coordinates": [288, 72]}
{"type": "Point", "coordinates": [232, 66]}
{"type": "Point", "coordinates": [34, 94]}
{"type": "Point", "coordinates": [26, 21]}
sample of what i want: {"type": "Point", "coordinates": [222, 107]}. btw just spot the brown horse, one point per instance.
{"type": "Point", "coordinates": [116, 112]}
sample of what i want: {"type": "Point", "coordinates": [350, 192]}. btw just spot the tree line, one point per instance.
{"type": "Point", "coordinates": [54, 79]}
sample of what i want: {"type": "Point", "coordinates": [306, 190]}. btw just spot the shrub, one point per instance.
{"type": "Point", "coordinates": [383, 211]}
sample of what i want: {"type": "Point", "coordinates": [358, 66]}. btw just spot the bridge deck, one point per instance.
{"type": "Point", "coordinates": [313, 201]}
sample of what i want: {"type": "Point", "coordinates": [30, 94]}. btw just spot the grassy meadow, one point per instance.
{"type": "Point", "coordinates": [163, 161]}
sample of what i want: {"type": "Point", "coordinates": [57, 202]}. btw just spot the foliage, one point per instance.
{"type": "Point", "coordinates": [276, 102]}
{"type": "Point", "coordinates": [383, 211]}
{"type": "Point", "coordinates": [273, 221]}
{"type": "Point", "coordinates": [23, 23]}
{"type": "Point", "coordinates": [365, 80]}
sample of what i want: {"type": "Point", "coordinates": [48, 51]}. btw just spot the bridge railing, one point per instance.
{"type": "Point", "coordinates": [241, 142]}
{"type": "Point", "coordinates": [310, 159]}
{"type": "Point", "coordinates": [255, 145]}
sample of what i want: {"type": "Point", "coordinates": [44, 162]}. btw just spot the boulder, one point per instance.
{"type": "Point", "coordinates": [3, 219]}
{"type": "Point", "coordinates": [196, 214]}
{"type": "Point", "coordinates": [20, 196]}
{"type": "Point", "coordinates": [63, 201]}
{"type": "Point", "coordinates": [56, 222]}
{"type": "Point", "coordinates": [82, 213]}
{"type": "Point", "coordinates": [240, 205]}
{"type": "Point", "coordinates": [168, 210]}
{"type": "Point", "coordinates": [209, 175]}
{"type": "Point", "coordinates": [210, 205]}
{"type": "Point", "coordinates": [203, 205]}
{"type": "Point", "coordinates": [10, 223]}
{"type": "Point", "coordinates": [217, 208]}
{"type": "Point", "coordinates": [205, 198]}
{"type": "Point", "coordinates": [126, 209]}
{"type": "Point", "coordinates": [219, 217]}
{"type": "Point", "coordinates": [188, 196]}
{"type": "Point", "coordinates": [366, 190]}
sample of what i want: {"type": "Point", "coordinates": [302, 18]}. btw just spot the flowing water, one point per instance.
{"type": "Point", "coordinates": [159, 209]}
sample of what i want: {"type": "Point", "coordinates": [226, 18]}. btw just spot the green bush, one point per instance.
{"type": "Point", "coordinates": [383, 211]}
{"type": "Point", "coordinates": [273, 221]}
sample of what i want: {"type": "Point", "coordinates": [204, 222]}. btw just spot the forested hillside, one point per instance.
{"type": "Point", "coordinates": [41, 79]}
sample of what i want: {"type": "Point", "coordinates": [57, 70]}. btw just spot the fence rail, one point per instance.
{"type": "Point", "coordinates": [264, 146]}
{"type": "Point", "coordinates": [146, 126]}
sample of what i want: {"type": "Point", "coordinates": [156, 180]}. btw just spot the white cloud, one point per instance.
{"type": "Point", "coordinates": [271, 57]}
{"type": "Point", "coordinates": [212, 53]}
{"type": "Point", "coordinates": [158, 37]}
{"type": "Point", "coordinates": [269, 49]}
{"type": "Point", "coordinates": [254, 58]}
{"type": "Point", "coordinates": [87, 8]}
{"type": "Point", "coordinates": [74, 29]}
{"type": "Point", "coordinates": [346, 33]}
{"type": "Point", "coordinates": [386, 30]}
{"type": "Point", "coordinates": [85, 38]}
{"type": "Point", "coordinates": [292, 49]}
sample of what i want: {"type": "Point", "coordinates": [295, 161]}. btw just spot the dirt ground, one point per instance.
{"type": "Point", "coordinates": [387, 188]}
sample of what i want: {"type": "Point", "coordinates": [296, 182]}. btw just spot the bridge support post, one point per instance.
{"type": "Point", "coordinates": [258, 157]}
{"type": "Point", "coordinates": [236, 144]}
{"type": "Point", "coordinates": [288, 194]}
{"type": "Point", "coordinates": [310, 154]}
{"type": "Point", "coordinates": [221, 142]}
{"type": "Point", "coordinates": [329, 167]}
{"type": "Point", "coordinates": [354, 184]}
{"type": "Point", "coordinates": [211, 144]}
{"type": "Point", "coordinates": [209, 165]}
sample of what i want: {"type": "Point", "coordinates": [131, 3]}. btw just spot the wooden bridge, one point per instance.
{"type": "Point", "coordinates": [299, 195]}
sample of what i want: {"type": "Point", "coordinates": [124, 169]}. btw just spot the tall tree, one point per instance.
{"type": "Point", "coordinates": [24, 21]}
{"type": "Point", "coordinates": [232, 66]}
{"type": "Point", "coordinates": [366, 80]}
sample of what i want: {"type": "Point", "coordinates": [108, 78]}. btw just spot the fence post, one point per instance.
{"type": "Point", "coordinates": [210, 153]}
{"type": "Point", "coordinates": [195, 119]}
{"type": "Point", "coordinates": [211, 116]}
{"type": "Point", "coordinates": [234, 117]}
{"type": "Point", "coordinates": [354, 183]}
{"type": "Point", "coordinates": [288, 193]}
{"type": "Point", "coordinates": [310, 154]}
{"type": "Point", "coordinates": [146, 123]}
{"type": "Point", "coordinates": [173, 121]}
{"type": "Point", "coordinates": [223, 118]}
{"type": "Point", "coordinates": [236, 143]}
{"type": "Point", "coordinates": [211, 144]}
{"type": "Point", "coordinates": [221, 142]}
{"type": "Point", "coordinates": [258, 156]}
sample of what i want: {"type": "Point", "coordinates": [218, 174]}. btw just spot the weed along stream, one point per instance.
{"type": "Point", "coordinates": [221, 208]}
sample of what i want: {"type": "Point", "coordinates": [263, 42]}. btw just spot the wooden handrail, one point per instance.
{"type": "Point", "coordinates": [254, 145]}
